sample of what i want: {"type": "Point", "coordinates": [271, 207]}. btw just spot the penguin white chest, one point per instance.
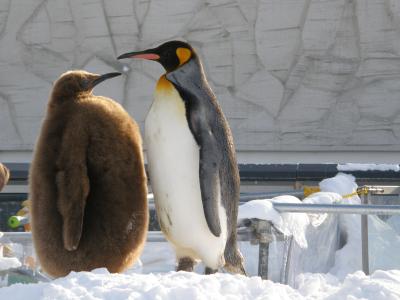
{"type": "Point", "coordinates": [173, 159]}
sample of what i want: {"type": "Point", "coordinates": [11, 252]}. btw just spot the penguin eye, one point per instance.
{"type": "Point", "coordinates": [85, 83]}
{"type": "Point", "coordinates": [170, 60]}
{"type": "Point", "coordinates": [169, 55]}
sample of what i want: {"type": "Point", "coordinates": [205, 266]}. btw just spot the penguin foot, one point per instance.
{"type": "Point", "coordinates": [209, 271]}
{"type": "Point", "coordinates": [185, 264]}
{"type": "Point", "coordinates": [234, 261]}
{"type": "Point", "coordinates": [235, 269]}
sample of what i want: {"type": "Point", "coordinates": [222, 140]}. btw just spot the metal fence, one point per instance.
{"type": "Point", "coordinates": [365, 209]}
{"type": "Point", "coordinates": [260, 231]}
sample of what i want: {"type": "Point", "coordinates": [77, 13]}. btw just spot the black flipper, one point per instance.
{"type": "Point", "coordinates": [202, 116]}
{"type": "Point", "coordinates": [73, 186]}
{"type": "Point", "coordinates": [209, 181]}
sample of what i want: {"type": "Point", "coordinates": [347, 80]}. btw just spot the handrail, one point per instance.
{"type": "Point", "coordinates": [257, 232]}
{"type": "Point", "coordinates": [244, 234]}
{"type": "Point", "coordinates": [360, 209]}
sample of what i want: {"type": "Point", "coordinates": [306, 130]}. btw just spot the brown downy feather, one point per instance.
{"type": "Point", "coordinates": [87, 182]}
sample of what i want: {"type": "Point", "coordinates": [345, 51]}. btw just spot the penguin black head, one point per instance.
{"type": "Point", "coordinates": [72, 83]}
{"type": "Point", "coordinates": [170, 55]}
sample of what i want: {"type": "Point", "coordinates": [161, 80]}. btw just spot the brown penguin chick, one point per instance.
{"type": "Point", "coordinates": [4, 176]}
{"type": "Point", "coordinates": [87, 181]}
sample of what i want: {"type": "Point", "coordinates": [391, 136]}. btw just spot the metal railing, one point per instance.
{"type": "Point", "coordinates": [360, 209]}
{"type": "Point", "coordinates": [364, 210]}
{"type": "Point", "coordinates": [260, 231]}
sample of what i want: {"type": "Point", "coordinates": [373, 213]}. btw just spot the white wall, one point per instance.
{"type": "Point", "coordinates": [299, 80]}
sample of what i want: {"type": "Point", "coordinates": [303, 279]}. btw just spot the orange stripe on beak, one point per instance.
{"type": "Point", "coordinates": [150, 56]}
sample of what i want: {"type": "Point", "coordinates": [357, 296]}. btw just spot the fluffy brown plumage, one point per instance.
{"type": "Point", "coordinates": [87, 182]}
{"type": "Point", "coordinates": [4, 176]}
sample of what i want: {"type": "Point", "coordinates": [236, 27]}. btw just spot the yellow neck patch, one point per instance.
{"type": "Point", "coordinates": [183, 54]}
{"type": "Point", "coordinates": [164, 84]}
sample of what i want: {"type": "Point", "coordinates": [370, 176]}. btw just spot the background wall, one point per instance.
{"type": "Point", "coordinates": [299, 80]}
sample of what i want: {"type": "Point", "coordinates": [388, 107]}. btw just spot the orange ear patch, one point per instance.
{"type": "Point", "coordinates": [183, 54]}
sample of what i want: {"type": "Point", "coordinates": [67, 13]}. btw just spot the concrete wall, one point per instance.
{"type": "Point", "coordinates": [299, 80]}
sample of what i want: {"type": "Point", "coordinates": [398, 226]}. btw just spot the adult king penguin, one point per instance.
{"type": "Point", "coordinates": [87, 181]}
{"type": "Point", "coordinates": [192, 163]}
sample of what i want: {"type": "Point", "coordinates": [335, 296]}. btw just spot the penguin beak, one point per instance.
{"type": "Point", "coordinates": [103, 77]}
{"type": "Point", "coordinates": [146, 54]}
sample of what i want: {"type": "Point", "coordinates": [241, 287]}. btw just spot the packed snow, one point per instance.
{"type": "Point", "coordinates": [325, 261]}
{"type": "Point", "coordinates": [289, 224]}
{"type": "Point", "coordinates": [342, 184]}
{"type": "Point", "coordinates": [367, 167]}
{"type": "Point", "coordinates": [7, 262]}
{"type": "Point", "coordinates": [99, 284]}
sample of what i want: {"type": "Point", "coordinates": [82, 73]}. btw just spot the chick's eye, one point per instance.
{"type": "Point", "coordinates": [85, 82]}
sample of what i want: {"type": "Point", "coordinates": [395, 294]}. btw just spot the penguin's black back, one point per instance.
{"type": "Point", "coordinates": [204, 114]}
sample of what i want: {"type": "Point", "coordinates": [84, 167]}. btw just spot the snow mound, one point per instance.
{"type": "Point", "coordinates": [259, 209]}
{"type": "Point", "coordinates": [383, 238]}
{"type": "Point", "coordinates": [295, 224]}
{"type": "Point", "coordinates": [380, 285]}
{"type": "Point", "coordinates": [173, 285]}
{"type": "Point", "coordinates": [343, 184]}
{"type": "Point", "coordinates": [321, 198]}
{"type": "Point", "coordinates": [99, 284]}
{"type": "Point", "coordinates": [394, 222]}
{"type": "Point", "coordinates": [8, 263]}
{"type": "Point", "coordinates": [289, 224]}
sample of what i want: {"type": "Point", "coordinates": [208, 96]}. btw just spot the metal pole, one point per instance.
{"type": "Point", "coordinates": [364, 237]}
{"type": "Point", "coordinates": [263, 232]}
{"type": "Point", "coordinates": [286, 260]}
{"type": "Point", "coordinates": [244, 234]}
{"type": "Point", "coordinates": [263, 254]}
{"type": "Point", "coordinates": [338, 208]}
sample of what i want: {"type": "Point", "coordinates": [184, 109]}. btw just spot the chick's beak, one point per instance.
{"type": "Point", "coordinates": [103, 77]}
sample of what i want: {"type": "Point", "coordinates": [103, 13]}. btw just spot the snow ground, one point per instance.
{"type": "Point", "coordinates": [99, 284]}
{"type": "Point", "coordinates": [318, 270]}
